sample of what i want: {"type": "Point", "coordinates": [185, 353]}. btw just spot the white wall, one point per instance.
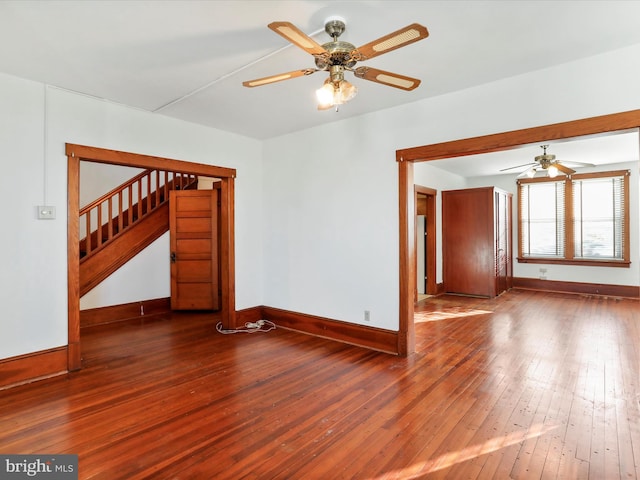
{"type": "Point", "coordinates": [146, 276]}
{"type": "Point", "coordinates": [33, 284]}
{"type": "Point", "coordinates": [328, 222]}
{"type": "Point", "coordinates": [96, 179]}
{"type": "Point", "coordinates": [331, 193]}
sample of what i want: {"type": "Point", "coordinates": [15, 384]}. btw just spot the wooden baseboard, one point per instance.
{"type": "Point", "coordinates": [126, 311]}
{"type": "Point", "coordinates": [252, 315]}
{"type": "Point", "coordinates": [577, 287]}
{"type": "Point", "coordinates": [33, 366]}
{"type": "Point", "coordinates": [353, 334]}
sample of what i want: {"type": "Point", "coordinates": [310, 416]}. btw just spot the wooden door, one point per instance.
{"type": "Point", "coordinates": [503, 241]}
{"type": "Point", "coordinates": [194, 249]}
{"type": "Point", "coordinates": [468, 242]}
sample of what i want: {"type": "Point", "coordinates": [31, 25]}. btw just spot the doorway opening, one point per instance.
{"type": "Point", "coordinates": [405, 158]}
{"type": "Point", "coordinates": [76, 154]}
{"type": "Point", "coordinates": [425, 233]}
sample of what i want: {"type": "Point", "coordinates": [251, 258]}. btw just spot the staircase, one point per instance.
{"type": "Point", "coordinates": [120, 224]}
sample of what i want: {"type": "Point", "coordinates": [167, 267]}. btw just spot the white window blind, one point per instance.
{"type": "Point", "coordinates": [598, 211]}
{"type": "Point", "coordinates": [542, 214]}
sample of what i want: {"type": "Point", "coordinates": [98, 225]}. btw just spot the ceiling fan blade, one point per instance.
{"type": "Point", "coordinates": [296, 36]}
{"type": "Point", "coordinates": [400, 38]}
{"type": "Point", "coordinates": [386, 78]}
{"type": "Point", "coordinates": [581, 164]}
{"type": "Point", "coordinates": [563, 169]}
{"type": "Point", "coordinates": [278, 78]}
{"type": "Point", "coordinates": [529, 172]}
{"type": "Point", "coordinates": [519, 166]}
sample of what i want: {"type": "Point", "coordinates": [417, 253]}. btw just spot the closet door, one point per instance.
{"type": "Point", "coordinates": [468, 241]}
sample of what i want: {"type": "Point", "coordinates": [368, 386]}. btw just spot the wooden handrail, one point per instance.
{"type": "Point", "coordinates": [117, 189]}
{"type": "Point", "coordinates": [111, 220]}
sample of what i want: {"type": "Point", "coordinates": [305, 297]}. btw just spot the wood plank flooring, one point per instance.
{"type": "Point", "coordinates": [525, 386]}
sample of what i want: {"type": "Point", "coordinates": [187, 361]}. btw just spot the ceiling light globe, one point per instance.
{"type": "Point", "coordinates": [325, 95]}
{"type": "Point", "coordinates": [344, 93]}
{"type": "Point", "coordinates": [552, 171]}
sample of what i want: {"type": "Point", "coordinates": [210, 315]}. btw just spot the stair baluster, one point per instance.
{"type": "Point", "coordinates": [136, 198]}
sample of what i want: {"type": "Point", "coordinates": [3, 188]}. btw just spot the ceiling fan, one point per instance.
{"type": "Point", "coordinates": [337, 56]}
{"type": "Point", "coordinates": [547, 162]}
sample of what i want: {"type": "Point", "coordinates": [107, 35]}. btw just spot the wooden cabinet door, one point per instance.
{"type": "Point", "coordinates": [467, 236]}
{"type": "Point", "coordinates": [194, 250]}
{"type": "Point", "coordinates": [476, 248]}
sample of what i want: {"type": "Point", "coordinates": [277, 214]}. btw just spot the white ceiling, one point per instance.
{"type": "Point", "coordinates": [187, 59]}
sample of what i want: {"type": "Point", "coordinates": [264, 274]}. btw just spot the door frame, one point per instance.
{"type": "Point", "coordinates": [605, 124]}
{"type": "Point", "coordinates": [76, 154]}
{"type": "Point", "coordinates": [430, 244]}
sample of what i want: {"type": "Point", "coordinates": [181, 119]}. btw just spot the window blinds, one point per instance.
{"type": "Point", "coordinates": [542, 216]}
{"type": "Point", "coordinates": [598, 217]}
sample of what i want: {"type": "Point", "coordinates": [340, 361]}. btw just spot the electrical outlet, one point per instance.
{"type": "Point", "coordinates": [367, 316]}
{"type": "Point", "coordinates": [46, 212]}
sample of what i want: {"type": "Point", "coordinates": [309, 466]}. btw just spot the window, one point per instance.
{"type": "Point", "coordinates": [542, 219]}
{"type": "Point", "coordinates": [579, 219]}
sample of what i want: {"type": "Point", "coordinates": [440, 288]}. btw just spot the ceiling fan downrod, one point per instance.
{"type": "Point", "coordinates": [545, 159]}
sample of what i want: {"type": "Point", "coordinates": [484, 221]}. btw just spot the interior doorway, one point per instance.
{"type": "Point", "coordinates": [76, 154]}
{"type": "Point", "coordinates": [471, 146]}
{"type": "Point", "coordinates": [425, 241]}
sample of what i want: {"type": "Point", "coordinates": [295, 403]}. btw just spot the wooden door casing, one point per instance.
{"type": "Point", "coordinates": [425, 201]}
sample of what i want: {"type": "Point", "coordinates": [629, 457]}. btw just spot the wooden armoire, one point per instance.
{"type": "Point", "coordinates": [476, 241]}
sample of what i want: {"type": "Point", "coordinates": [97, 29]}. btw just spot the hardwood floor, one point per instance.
{"type": "Point", "coordinates": [528, 385]}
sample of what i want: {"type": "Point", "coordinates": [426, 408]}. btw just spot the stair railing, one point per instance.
{"type": "Point", "coordinates": [122, 207]}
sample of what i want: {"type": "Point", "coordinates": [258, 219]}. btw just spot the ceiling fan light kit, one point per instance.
{"type": "Point", "coordinates": [337, 56]}
{"type": "Point", "coordinates": [334, 92]}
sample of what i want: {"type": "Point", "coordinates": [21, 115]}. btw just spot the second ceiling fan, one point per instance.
{"type": "Point", "coordinates": [338, 57]}
{"type": "Point", "coordinates": [547, 162]}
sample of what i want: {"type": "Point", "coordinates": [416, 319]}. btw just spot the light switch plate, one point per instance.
{"type": "Point", "coordinates": [46, 212]}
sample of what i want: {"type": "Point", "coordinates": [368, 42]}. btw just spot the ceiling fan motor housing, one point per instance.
{"type": "Point", "coordinates": [338, 53]}
{"type": "Point", "coordinates": [545, 160]}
